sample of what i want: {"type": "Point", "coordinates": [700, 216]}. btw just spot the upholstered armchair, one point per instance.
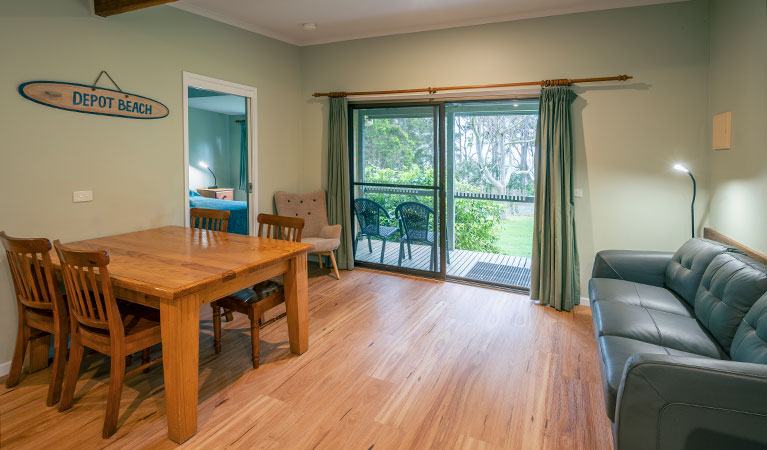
{"type": "Point", "coordinates": [312, 208]}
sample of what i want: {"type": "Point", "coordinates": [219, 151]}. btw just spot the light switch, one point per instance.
{"type": "Point", "coordinates": [578, 192]}
{"type": "Point", "coordinates": [82, 196]}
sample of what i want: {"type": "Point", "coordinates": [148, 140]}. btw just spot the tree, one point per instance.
{"type": "Point", "coordinates": [496, 151]}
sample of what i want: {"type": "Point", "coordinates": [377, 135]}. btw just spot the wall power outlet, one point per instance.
{"type": "Point", "coordinates": [82, 196]}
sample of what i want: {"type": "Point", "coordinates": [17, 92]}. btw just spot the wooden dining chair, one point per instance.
{"type": "Point", "coordinates": [97, 322]}
{"type": "Point", "coordinates": [41, 307]}
{"type": "Point", "coordinates": [264, 296]}
{"type": "Point", "coordinates": [214, 220]}
{"type": "Point", "coordinates": [209, 219]}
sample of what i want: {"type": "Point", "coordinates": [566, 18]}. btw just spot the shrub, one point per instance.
{"type": "Point", "coordinates": [476, 221]}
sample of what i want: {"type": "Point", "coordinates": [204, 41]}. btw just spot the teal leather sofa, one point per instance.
{"type": "Point", "coordinates": [682, 339]}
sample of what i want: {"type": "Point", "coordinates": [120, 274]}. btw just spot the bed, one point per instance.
{"type": "Point", "coordinates": [238, 218]}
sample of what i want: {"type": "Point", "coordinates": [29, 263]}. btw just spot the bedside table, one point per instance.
{"type": "Point", "coordinates": [219, 193]}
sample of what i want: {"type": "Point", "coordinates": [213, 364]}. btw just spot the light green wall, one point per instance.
{"type": "Point", "coordinates": [210, 141]}
{"type": "Point", "coordinates": [737, 83]}
{"type": "Point", "coordinates": [134, 167]}
{"type": "Point", "coordinates": [627, 135]}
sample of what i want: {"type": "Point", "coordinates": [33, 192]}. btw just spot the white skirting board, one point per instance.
{"type": "Point", "coordinates": [5, 368]}
{"type": "Point", "coordinates": [585, 301]}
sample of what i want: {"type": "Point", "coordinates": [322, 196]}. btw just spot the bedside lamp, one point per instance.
{"type": "Point", "coordinates": [682, 168]}
{"type": "Point", "coordinates": [205, 166]}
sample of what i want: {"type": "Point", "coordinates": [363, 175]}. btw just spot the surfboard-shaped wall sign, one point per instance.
{"type": "Point", "coordinates": [90, 100]}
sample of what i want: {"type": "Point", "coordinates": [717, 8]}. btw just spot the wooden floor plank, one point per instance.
{"type": "Point", "coordinates": [394, 363]}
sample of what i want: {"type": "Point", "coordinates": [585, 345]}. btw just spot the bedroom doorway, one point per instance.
{"type": "Point", "coordinates": [219, 150]}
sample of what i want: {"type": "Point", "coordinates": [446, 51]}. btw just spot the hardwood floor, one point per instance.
{"type": "Point", "coordinates": [393, 362]}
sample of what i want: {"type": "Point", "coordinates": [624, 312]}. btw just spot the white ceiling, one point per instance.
{"type": "Point", "coordinates": [340, 20]}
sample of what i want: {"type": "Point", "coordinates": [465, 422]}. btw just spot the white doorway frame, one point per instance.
{"type": "Point", "coordinates": [251, 110]}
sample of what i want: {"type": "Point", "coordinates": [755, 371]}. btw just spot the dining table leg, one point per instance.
{"type": "Point", "coordinates": [297, 304]}
{"type": "Point", "coordinates": [180, 327]}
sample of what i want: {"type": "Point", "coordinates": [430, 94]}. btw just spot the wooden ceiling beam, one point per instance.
{"type": "Point", "coordinates": [106, 8]}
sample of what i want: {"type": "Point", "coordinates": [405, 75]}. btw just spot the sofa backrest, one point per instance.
{"type": "Point", "coordinates": [750, 342]}
{"type": "Point", "coordinates": [688, 264]}
{"type": "Point", "coordinates": [730, 286]}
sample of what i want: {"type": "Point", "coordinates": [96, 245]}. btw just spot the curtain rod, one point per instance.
{"type": "Point", "coordinates": [434, 90]}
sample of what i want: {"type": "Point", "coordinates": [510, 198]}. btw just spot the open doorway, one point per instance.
{"type": "Point", "coordinates": [219, 150]}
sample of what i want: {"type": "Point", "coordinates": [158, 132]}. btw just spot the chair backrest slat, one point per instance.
{"type": "Point", "coordinates": [89, 289]}
{"type": "Point", "coordinates": [209, 219]}
{"type": "Point", "coordinates": [32, 272]}
{"type": "Point", "coordinates": [280, 227]}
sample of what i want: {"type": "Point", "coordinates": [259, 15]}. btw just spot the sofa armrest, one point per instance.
{"type": "Point", "coordinates": [637, 266]}
{"type": "Point", "coordinates": [330, 232]}
{"type": "Point", "coordinates": [676, 402]}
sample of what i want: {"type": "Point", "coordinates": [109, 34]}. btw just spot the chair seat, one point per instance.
{"type": "Point", "coordinates": [256, 293]}
{"type": "Point", "coordinates": [321, 244]}
{"type": "Point", "coordinates": [141, 326]}
{"type": "Point", "coordinates": [256, 299]}
{"type": "Point", "coordinates": [380, 231]}
{"type": "Point", "coordinates": [420, 237]}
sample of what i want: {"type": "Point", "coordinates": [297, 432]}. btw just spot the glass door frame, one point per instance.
{"type": "Point", "coordinates": [438, 186]}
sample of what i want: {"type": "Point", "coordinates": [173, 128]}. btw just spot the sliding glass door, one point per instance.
{"type": "Point", "coordinates": [491, 190]}
{"type": "Point", "coordinates": [397, 193]}
{"type": "Point", "coordinates": [445, 189]}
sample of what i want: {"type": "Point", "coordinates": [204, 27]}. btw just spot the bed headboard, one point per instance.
{"type": "Point", "coordinates": [714, 235]}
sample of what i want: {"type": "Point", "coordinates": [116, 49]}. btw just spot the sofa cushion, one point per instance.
{"type": "Point", "coordinates": [637, 294]}
{"type": "Point", "coordinates": [729, 288]}
{"type": "Point", "coordinates": [614, 351]}
{"type": "Point", "coordinates": [750, 342]}
{"type": "Point", "coordinates": [661, 328]}
{"type": "Point", "coordinates": [688, 264]}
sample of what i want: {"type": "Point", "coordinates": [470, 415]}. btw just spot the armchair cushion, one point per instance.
{"type": "Point", "coordinates": [310, 206]}
{"type": "Point", "coordinates": [321, 245]}
{"type": "Point", "coordinates": [330, 232]}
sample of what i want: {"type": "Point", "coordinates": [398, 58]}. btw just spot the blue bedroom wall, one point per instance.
{"type": "Point", "coordinates": [210, 141]}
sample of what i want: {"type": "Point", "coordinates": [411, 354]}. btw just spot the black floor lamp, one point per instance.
{"type": "Point", "coordinates": [682, 168]}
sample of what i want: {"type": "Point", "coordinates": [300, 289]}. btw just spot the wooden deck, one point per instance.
{"type": "Point", "coordinates": [461, 261]}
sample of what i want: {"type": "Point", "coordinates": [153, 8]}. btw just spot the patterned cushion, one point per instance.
{"type": "Point", "coordinates": [310, 207]}
{"type": "Point", "coordinates": [750, 342]}
{"type": "Point", "coordinates": [729, 288]}
{"type": "Point", "coordinates": [686, 267]}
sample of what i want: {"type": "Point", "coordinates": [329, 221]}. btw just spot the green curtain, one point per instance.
{"type": "Point", "coordinates": [555, 271]}
{"type": "Point", "coordinates": [339, 211]}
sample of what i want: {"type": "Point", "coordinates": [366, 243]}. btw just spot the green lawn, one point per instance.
{"type": "Point", "coordinates": [515, 236]}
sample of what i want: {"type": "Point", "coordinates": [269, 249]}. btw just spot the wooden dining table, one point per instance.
{"type": "Point", "coordinates": [177, 270]}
